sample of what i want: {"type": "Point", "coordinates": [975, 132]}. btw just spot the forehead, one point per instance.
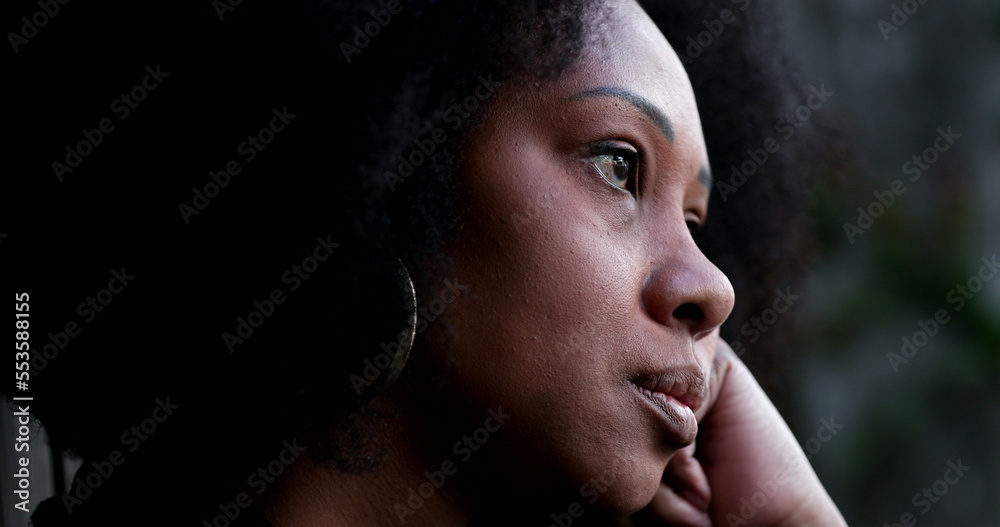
{"type": "Point", "coordinates": [626, 50]}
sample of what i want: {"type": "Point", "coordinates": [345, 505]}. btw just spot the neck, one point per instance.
{"type": "Point", "coordinates": [396, 492]}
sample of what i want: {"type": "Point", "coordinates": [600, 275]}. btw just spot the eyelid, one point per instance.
{"type": "Point", "coordinates": [611, 146]}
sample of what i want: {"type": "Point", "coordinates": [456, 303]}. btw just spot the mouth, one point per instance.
{"type": "Point", "coordinates": [674, 408]}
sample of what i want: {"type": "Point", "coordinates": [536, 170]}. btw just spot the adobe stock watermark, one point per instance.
{"type": "Point", "coordinates": [133, 438]}
{"type": "Point", "coordinates": [253, 145]}
{"type": "Point", "coordinates": [932, 494]}
{"type": "Point", "coordinates": [769, 488]}
{"type": "Point", "coordinates": [430, 312]}
{"type": "Point", "coordinates": [758, 325]}
{"type": "Point", "coordinates": [293, 277]}
{"type": "Point", "coordinates": [786, 127]}
{"type": "Point", "coordinates": [88, 310]}
{"type": "Point", "coordinates": [713, 29]}
{"type": "Point", "coordinates": [224, 7]}
{"type": "Point", "coordinates": [590, 491]}
{"type": "Point", "coordinates": [257, 481]}
{"type": "Point", "coordinates": [48, 9]}
{"type": "Point", "coordinates": [914, 167]}
{"type": "Point", "coordinates": [363, 37]}
{"type": "Point", "coordinates": [22, 443]}
{"type": "Point", "coordinates": [425, 146]}
{"type": "Point", "coordinates": [122, 107]}
{"type": "Point", "coordinates": [463, 450]}
{"type": "Point", "coordinates": [958, 296]}
{"type": "Point", "coordinates": [900, 15]}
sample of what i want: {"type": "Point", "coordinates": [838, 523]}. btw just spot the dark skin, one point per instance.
{"type": "Point", "coordinates": [592, 319]}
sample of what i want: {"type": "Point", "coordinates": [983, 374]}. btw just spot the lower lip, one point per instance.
{"type": "Point", "coordinates": [679, 421]}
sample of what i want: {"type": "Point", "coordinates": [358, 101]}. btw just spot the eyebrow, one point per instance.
{"type": "Point", "coordinates": [652, 111]}
{"type": "Point", "coordinates": [643, 104]}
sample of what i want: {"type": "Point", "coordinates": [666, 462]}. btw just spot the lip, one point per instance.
{"type": "Point", "coordinates": [685, 383]}
{"type": "Point", "coordinates": [677, 418]}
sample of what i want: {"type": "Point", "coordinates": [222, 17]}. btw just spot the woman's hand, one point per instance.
{"type": "Point", "coordinates": [746, 467]}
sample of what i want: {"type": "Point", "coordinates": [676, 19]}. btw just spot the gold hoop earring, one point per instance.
{"type": "Point", "coordinates": [409, 334]}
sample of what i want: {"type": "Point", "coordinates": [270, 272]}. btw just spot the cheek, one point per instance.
{"type": "Point", "coordinates": [550, 273]}
{"type": "Point", "coordinates": [553, 304]}
{"type": "Point", "coordinates": [554, 266]}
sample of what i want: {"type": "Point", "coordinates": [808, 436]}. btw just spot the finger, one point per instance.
{"type": "Point", "coordinates": [687, 478]}
{"type": "Point", "coordinates": [670, 508]}
{"type": "Point", "coordinates": [722, 360]}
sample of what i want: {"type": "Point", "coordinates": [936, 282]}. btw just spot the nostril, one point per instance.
{"type": "Point", "coordinates": [689, 311]}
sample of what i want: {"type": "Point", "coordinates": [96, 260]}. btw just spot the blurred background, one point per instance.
{"type": "Point", "coordinates": [904, 74]}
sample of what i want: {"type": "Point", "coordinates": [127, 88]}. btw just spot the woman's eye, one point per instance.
{"type": "Point", "coordinates": [617, 164]}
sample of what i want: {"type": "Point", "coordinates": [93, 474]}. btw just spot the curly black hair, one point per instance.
{"type": "Point", "coordinates": [359, 87]}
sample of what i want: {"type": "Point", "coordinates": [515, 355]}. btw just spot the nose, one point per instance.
{"type": "Point", "coordinates": [684, 290]}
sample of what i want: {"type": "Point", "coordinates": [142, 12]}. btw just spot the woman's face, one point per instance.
{"type": "Point", "coordinates": [586, 290]}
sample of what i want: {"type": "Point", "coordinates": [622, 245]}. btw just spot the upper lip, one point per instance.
{"type": "Point", "coordinates": [686, 384]}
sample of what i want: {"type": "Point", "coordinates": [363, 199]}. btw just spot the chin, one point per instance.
{"type": "Point", "coordinates": [627, 486]}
